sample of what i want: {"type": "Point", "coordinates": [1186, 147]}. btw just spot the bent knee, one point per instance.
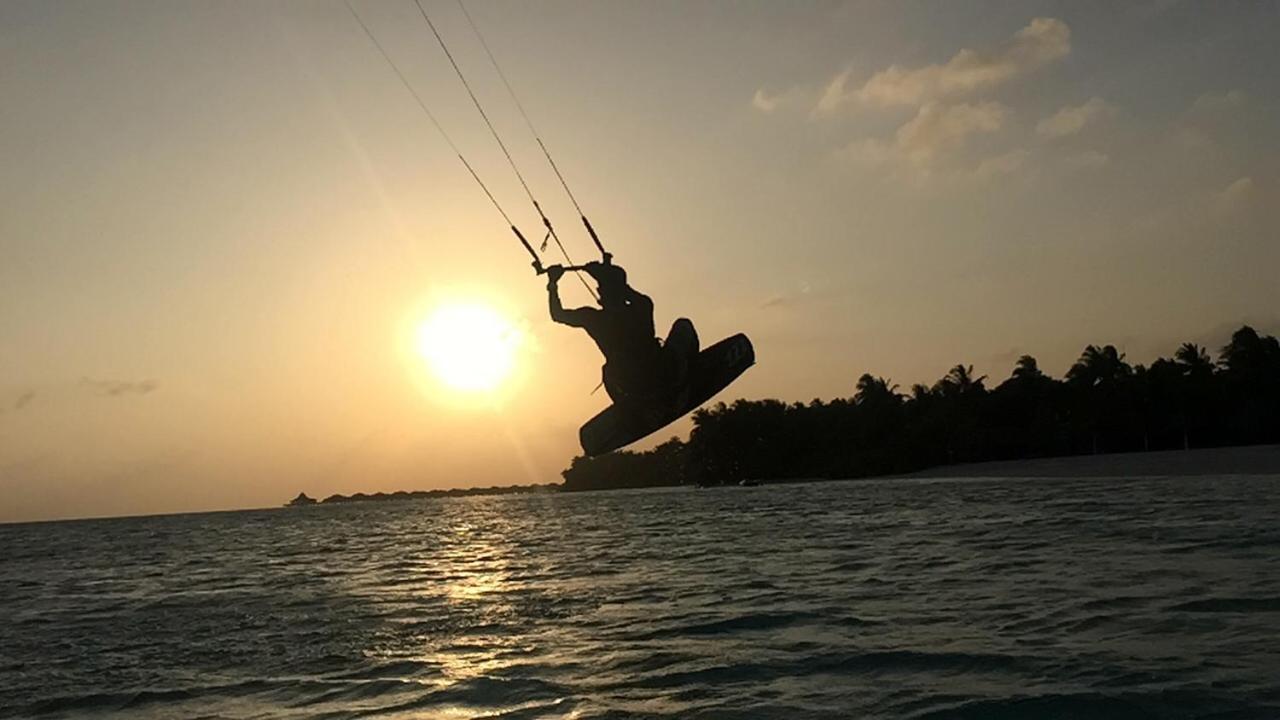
{"type": "Point", "coordinates": [683, 335]}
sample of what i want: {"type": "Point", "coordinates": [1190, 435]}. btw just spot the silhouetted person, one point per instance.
{"type": "Point", "coordinates": [638, 368]}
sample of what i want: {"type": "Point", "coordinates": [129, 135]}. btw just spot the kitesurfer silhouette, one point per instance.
{"type": "Point", "coordinates": [652, 383]}
{"type": "Point", "coordinates": [639, 369]}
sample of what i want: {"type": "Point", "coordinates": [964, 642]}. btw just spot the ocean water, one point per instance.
{"type": "Point", "coordinates": [1099, 598]}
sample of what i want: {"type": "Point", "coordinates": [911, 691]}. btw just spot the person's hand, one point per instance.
{"type": "Point", "coordinates": [554, 273]}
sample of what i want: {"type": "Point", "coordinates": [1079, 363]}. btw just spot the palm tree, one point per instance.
{"type": "Point", "coordinates": [1024, 408]}
{"type": "Point", "coordinates": [1251, 371]}
{"type": "Point", "coordinates": [957, 411]}
{"type": "Point", "coordinates": [875, 391]}
{"type": "Point", "coordinates": [1194, 393]}
{"type": "Point", "coordinates": [960, 382]}
{"type": "Point", "coordinates": [1194, 359]}
{"type": "Point", "coordinates": [1098, 366]}
{"type": "Point", "coordinates": [1027, 368]}
{"type": "Point", "coordinates": [1101, 374]}
{"type": "Point", "coordinates": [1244, 351]}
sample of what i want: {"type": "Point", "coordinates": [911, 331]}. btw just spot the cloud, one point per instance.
{"type": "Point", "coordinates": [802, 294]}
{"type": "Point", "coordinates": [788, 298]}
{"type": "Point", "coordinates": [1088, 159]}
{"type": "Point", "coordinates": [1041, 42]}
{"type": "Point", "coordinates": [1003, 164]}
{"type": "Point", "coordinates": [936, 132]}
{"type": "Point", "coordinates": [1218, 102]}
{"type": "Point", "coordinates": [765, 102]}
{"type": "Point", "coordinates": [938, 129]}
{"type": "Point", "coordinates": [768, 101]}
{"type": "Point", "coordinates": [1204, 213]}
{"type": "Point", "coordinates": [116, 388]}
{"type": "Point", "coordinates": [1236, 196]}
{"type": "Point", "coordinates": [834, 95]}
{"type": "Point", "coordinates": [1210, 118]}
{"type": "Point", "coordinates": [869, 153]}
{"type": "Point", "coordinates": [1072, 119]}
{"type": "Point", "coordinates": [102, 388]}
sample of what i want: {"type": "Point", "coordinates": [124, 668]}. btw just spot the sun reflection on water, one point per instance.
{"type": "Point", "coordinates": [468, 575]}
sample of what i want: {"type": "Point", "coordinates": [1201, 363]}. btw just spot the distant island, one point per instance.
{"type": "Point", "coordinates": [1104, 405]}
{"type": "Point", "coordinates": [303, 499]}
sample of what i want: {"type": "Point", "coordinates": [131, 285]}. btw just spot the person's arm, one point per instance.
{"type": "Point", "coordinates": [577, 317]}
{"type": "Point", "coordinates": [635, 297]}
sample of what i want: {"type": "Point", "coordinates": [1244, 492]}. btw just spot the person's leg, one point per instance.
{"type": "Point", "coordinates": [612, 383]}
{"type": "Point", "coordinates": [682, 338]}
{"type": "Point", "coordinates": [627, 384]}
{"type": "Point", "coordinates": [680, 348]}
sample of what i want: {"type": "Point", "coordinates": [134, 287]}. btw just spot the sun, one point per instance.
{"type": "Point", "coordinates": [469, 347]}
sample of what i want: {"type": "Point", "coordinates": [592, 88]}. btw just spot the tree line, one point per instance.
{"type": "Point", "coordinates": [1104, 404]}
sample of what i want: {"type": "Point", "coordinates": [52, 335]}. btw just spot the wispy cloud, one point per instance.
{"type": "Point", "coordinates": [117, 388]}
{"type": "Point", "coordinates": [1236, 196]}
{"type": "Point", "coordinates": [64, 392]}
{"type": "Point", "coordinates": [1210, 118]}
{"type": "Point", "coordinates": [1218, 102]}
{"type": "Point", "coordinates": [1071, 120]}
{"type": "Point", "coordinates": [765, 102]}
{"type": "Point", "coordinates": [937, 131]}
{"type": "Point", "coordinates": [802, 294]}
{"type": "Point", "coordinates": [834, 95]}
{"type": "Point", "coordinates": [1002, 164]}
{"type": "Point", "coordinates": [770, 101]}
{"type": "Point", "coordinates": [1088, 159]}
{"type": "Point", "coordinates": [1209, 211]}
{"type": "Point", "coordinates": [953, 106]}
{"type": "Point", "coordinates": [968, 72]}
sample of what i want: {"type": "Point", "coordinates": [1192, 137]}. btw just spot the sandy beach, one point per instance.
{"type": "Point", "coordinates": [1250, 460]}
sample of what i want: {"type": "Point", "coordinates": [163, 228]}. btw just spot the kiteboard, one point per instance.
{"type": "Point", "coordinates": [713, 370]}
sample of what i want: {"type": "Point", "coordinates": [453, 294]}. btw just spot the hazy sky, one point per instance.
{"type": "Point", "coordinates": [221, 221]}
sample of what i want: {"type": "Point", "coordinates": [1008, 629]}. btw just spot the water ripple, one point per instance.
{"type": "Point", "coordinates": [909, 599]}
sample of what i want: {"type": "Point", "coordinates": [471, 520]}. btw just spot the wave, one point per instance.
{"type": "Point", "coordinates": [732, 625]}
{"type": "Point", "coordinates": [1229, 605]}
{"type": "Point", "coordinates": [1182, 705]}
{"type": "Point", "coordinates": [133, 700]}
{"type": "Point", "coordinates": [481, 692]}
{"type": "Point", "coordinates": [843, 600]}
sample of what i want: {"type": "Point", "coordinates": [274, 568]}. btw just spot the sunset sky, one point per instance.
{"type": "Point", "coordinates": [222, 223]}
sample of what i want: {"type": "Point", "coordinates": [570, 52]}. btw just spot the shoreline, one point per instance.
{"type": "Point", "coordinates": [1239, 460]}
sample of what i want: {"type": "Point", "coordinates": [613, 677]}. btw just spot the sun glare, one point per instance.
{"type": "Point", "coordinates": [468, 347]}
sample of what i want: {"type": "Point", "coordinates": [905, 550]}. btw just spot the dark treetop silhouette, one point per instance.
{"type": "Point", "coordinates": [1103, 405]}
